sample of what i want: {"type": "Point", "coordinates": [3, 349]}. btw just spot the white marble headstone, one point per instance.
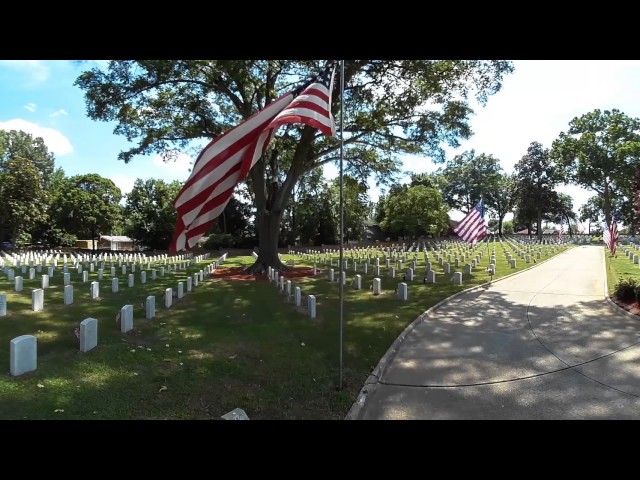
{"type": "Point", "coordinates": [150, 305]}
{"type": "Point", "coordinates": [126, 318]}
{"type": "Point", "coordinates": [88, 334]}
{"type": "Point", "coordinates": [23, 355]}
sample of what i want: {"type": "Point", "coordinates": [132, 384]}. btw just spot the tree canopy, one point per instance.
{"type": "Point", "coordinates": [391, 107]}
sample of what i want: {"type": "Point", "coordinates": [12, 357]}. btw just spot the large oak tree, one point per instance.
{"type": "Point", "coordinates": [600, 152]}
{"type": "Point", "coordinates": [391, 107]}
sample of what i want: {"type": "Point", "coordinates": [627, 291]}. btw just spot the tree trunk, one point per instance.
{"type": "Point", "coordinates": [539, 224]}
{"type": "Point", "coordinates": [607, 203]}
{"type": "Point", "coordinates": [268, 233]}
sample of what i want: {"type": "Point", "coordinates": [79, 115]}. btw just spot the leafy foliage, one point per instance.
{"type": "Point", "coordinates": [600, 151]}
{"type": "Point", "coordinates": [149, 212]}
{"type": "Point", "coordinates": [626, 289]}
{"type": "Point", "coordinates": [414, 211]}
{"type": "Point", "coordinates": [391, 107]}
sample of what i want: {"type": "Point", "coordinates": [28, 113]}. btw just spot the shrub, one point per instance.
{"type": "Point", "coordinates": [626, 289]}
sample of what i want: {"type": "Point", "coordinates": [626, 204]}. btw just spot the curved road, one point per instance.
{"type": "Point", "coordinates": [541, 344]}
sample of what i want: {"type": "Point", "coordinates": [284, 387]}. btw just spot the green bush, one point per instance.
{"type": "Point", "coordinates": [626, 289]}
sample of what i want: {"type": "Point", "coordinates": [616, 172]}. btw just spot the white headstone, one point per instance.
{"type": "Point", "coordinates": [124, 269]}
{"type": "Point", "coordinates": [32, 273]}
{"type": "Point", "coordinates": [377, 286]}
{"type": "Point", "coordinates": [85, 276]}
{"type": "Point", "coordinates": [153, 274]}
{"type": "Point", "coordinates": [88, 334]}
{"type": "Point", "coordinates": [45, 281]}
{"type": "Point", "coordinates": [410, 274]}
{"type": "Point", "coordinates": [298, 296]}
{"type": "Point", "coordinates": [288, 287]}
{"type": "Point", "coordinates": [457, 278]}
{"type": "Point", "coordinates": [23, 355]}
{"type": "Point", "coordinates": [66, 279]}
{"type": "Point", "coordinates": [37, 300]}
{"type": "Point", "coordinates": [151, 307]}
{"type": "Point", "coordinates": [189, 284]}
{"type": "Point", "coordinates": [18, 283]}
{"type": "Point", "coordinates": [3, 305]}
{"type": "Point", "coordinates": [403, 291]}
{"type": "Point", "coordinates": [195, 279]}
{"type": "Point", "coordinates": [133, 268]}
{"type": "Point", "coordinates": [513, 263]}
{"type": "Point", "coordinates": [467, 269]}
{"type": "Point", "coordinates": [11, 275]}
{"type": "Point", "coordinates": [431, 276]}
{"type": "Point", "coordinates": [236, 414]}
{"type": "Point", "coordinates": [131, 280]}
{"type": "Point", "coordinates": [143, 277]}
{"type": "Point", "coordinates": [331, 275]}
{"type": "Point", "coordinates": [162, 272]}
{"type": "Point", "coordinates": [68, 294]}
{"type": "Point", "coordinates": [311, 303]}
{"type": "Point", "coordinates": [126, 318]}
{"type": "Point", "coordinates": [168, 297]}
{"type": "Point", "coordinates": [95, 290]}
{"type": "Point", "coordinates": [113, 271]}
{"type": "Point", "coordinates": [358, 284]}
{"type": "Point", "coordinates": [343, 277]}
{"type": "Point", "coordinates": [115, 285]}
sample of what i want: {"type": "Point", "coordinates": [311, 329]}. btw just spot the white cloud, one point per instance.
{"type": "Point", "coordinates": [31, 107]}
{"type": "Point", "coordinates": [180, 166]}
{"type": "Point", "coordinates": [37, 71]}
{"type": "Point", "coordinates": [57, 113]}
{"type": "Point", "coordinates": [123, 182]}
{"type": "Point", "coordinates": [55, 140]}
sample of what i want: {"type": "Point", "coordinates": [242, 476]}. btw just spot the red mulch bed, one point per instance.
{"type": "Point", "coordinates": [632, 306]}
{"type": "Point", "coordinates": [237, 273]}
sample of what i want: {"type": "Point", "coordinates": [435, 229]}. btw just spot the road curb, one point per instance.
{"type": "Point", "coordinates": [371, 383]}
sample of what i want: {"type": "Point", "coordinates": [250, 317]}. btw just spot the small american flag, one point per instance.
{"type": "Point", "coordinates": [472, 228]}
{"type": "Point", "coordinates": [226, 161]}
{"type": "Point", "coordinates": [615, 237]}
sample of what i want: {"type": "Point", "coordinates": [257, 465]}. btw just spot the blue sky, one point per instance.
{"type": "Point", "coordinates": [536, 103]}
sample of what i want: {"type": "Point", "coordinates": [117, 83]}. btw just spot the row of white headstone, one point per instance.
{"type": "Point", "coordinates": [23, 349]}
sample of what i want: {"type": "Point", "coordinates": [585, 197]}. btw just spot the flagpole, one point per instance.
{"type": "Point", "coordinates": [341, 217]}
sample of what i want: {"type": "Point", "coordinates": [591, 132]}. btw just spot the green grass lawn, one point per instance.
{"type": "Point", "coordinates": [226, 344]}
{"type": "Point", "coordinates": [621, 266]}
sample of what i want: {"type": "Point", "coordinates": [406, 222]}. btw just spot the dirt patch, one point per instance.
{"type": "Point", "coordinates": [632, 306]}
{"type": "Point", "coordinates": [237, 273]}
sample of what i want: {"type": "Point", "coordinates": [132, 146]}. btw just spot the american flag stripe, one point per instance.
{"type": "Point", "coordinates": [615, 237]}
{"type": "Point", "coordinates": [606, 235]}
{"type": "Point", "coordinates": [226, 161]}
{"type": "Point", "coordinates": [473, 227]}
{"type": "Point", "coordinates": [312, 107]}
{"type": "Point", "coordinates": [220, 197]}
{"type": "Point", "coordinates": [227, 150]}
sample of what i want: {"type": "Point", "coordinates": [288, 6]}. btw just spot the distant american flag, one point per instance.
{"type": "Point", "coordinates": [226, 160]}
{"type": "Point", "coordinates": [472, 228]}
{"type": "Point", "coordinates": [561, 232]}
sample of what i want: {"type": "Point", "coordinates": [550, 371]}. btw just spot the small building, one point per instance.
{"type": "Point", "coordinates": [115, 242]}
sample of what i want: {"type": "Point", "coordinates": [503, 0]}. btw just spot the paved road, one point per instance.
{"type": "Point", "coordinates": [542, 344]}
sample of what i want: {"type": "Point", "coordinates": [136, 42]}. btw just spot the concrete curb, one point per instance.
{"type": "Point", "coordinates": [371, 382]}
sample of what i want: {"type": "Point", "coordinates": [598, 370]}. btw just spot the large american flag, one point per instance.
{"type": "Point", "coordinates": [226, 160]}
{"type": "Point", "coordinates": [472, 228]}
